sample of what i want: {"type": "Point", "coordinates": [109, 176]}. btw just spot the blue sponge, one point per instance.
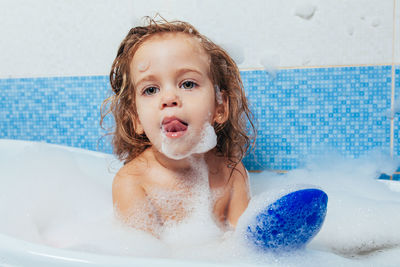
{"type": "Point", "coordinates": [290, 222]}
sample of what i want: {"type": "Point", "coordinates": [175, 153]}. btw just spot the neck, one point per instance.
{"type": "Point", "coordinates": [186, 164]}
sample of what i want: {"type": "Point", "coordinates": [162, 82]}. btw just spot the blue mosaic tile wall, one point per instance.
{"type": "Point", "coordinates": [310, 111]}
{"type": "Point", "coordinates": [396, 135]}
{"type": "Point", "coordinates": [58, 110]}
{"type": "Point", "coordinates": [299, 112]}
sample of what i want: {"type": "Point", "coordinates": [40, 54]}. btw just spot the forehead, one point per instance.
{"type": "Point", "coordinates": [174, 42]}
{"type": "Point", "coordinates": [189, 40]}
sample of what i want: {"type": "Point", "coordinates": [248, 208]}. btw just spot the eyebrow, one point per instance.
{"type": "Point", "coordinates": [179, 72]}
{"type": "Point", "coordinates": [150, 77]}
{"type": "Point", "coordinates": [185, 70]}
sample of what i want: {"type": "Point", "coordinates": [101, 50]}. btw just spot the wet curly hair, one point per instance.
{"type": "Point", "coordinates": [234, 136]}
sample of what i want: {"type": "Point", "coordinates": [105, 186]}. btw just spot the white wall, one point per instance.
{"type": "Point", "coordinates": [72, 37]}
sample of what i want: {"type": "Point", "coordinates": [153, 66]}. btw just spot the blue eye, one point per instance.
{"type": "Point", "coordinates": [188, 85]}
{"type": "Point", "coordinates": [151, 90]}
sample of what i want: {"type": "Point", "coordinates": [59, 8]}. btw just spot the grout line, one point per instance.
{"type": "Point", "coordinates": [36, 76]}
{"type": "Point", "coordinates": [272, 170]}
{"type": "Point", "coordinates": [324, 66]}
{"type": "Point", "coordinates": [393, 83]}
{"type": "Point", "coordinates": [255, 171]}
{"type": "Point", "coordinates": [392, 114]}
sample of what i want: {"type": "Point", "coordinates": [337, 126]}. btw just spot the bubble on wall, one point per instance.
{"type": "Point", "coordinates": [235, 51]}
{"type": "Point", "coordinates": [305, 11]}
{"type": "Point", "coordinates": [270, 63]}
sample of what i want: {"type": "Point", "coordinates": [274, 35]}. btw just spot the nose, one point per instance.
{"type": "Point", "coordinates": [170, 98]}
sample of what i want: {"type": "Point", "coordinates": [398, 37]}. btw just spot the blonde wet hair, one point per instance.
{"type": "Point", "coordinates": [234, 136]}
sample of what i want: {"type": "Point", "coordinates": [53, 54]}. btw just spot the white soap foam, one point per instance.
{"type": "Point", "coordinates": [375, 22]}
{"type": "Point", "coordinates": [306, 61]}
{"type": "Point", "coordinates": [143, 66]}
{"type": "Point", "coordinates": [235, 51]}
{"type": "Point", "coordinates": [218, 95]}
{"type": "Point", "coordinates": [350, 30]}
{"type": "Point", "coordinates": [270, 62]}
{"type": "Point", "coordinates": [305, 11]}
{"type": "Point", "coordinates": [199, 143]}
{"type": "Point", "coordinates": [62, 198]}
{"type": "Point", "coordinates": [395, 110]}
{"type": "Point", "coordinates": [363, 214]}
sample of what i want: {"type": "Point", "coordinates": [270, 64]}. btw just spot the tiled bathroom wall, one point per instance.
{"type": "Point", "coordinates": [333, 83]}
{"type": "Point", "coordinates": [303, 112]}
{"type": "Point", "coordinates": [59, 110]}
{"type": "Point", "coordinates": [299, 112]}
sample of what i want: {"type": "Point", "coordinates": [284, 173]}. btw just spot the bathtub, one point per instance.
{"type": "Point", "coordinates": [26, 239]}
{"type": "Point", "coordinates": [19, 252]}
{"type": "Point", "coordinates": [16, 252]}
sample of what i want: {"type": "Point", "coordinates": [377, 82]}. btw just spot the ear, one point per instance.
{"type": "Point", "coordinates": [222, 110]}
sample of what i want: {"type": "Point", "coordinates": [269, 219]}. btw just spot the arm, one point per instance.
{"type": "Point", "coordinates": [132, 205]}
{"type": "Point", "coordinates": [240, 195]}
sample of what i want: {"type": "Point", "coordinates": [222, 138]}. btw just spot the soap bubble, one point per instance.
{"type": "Point", "coordinates": [189, 144]}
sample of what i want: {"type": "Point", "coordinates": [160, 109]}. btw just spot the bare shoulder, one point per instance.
{"type": "Point", "coordinates": [130, 198]}
{"type": "Point", "coordinates": [239, 183]}
{"type": "Point", "coordinates": [235, 183]}
{"type": "Point", "coordinates": [131, 173]}
{"type": "Point", "coordinates": [240, 193]}
{"type": "Point", "coordinates": [127, 187]}
{"type": "Point", "coordinates": [225, 174]}
{"type": "Point", "coordinates": [239, 174]}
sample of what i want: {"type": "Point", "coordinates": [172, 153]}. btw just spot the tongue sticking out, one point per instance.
{"type": "Point", "coordinates": [175, 128]}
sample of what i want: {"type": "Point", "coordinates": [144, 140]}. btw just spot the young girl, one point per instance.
{"type": "Point", "coordinates": [180, 127]}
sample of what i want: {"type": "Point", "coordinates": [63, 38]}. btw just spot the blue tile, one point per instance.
{"type": "Point", "coordinates": [305, 111]}
{"type": "Point", "coordinates": [299, 112]}
{"type": "Point", "coordinates": [61, 110]}
{"type": "Point", "coordinates": [396, 128]}
{"type": "Point", "coordinates": [396, 177]}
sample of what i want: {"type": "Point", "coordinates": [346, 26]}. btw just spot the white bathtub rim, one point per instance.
{"type": "Point", "coordinates": [20, 144]}
{"type": "Point", "coordinates": [21, 252]}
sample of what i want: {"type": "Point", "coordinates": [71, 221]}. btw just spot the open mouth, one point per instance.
{"type": "Point", "coordinates": [174, 127]}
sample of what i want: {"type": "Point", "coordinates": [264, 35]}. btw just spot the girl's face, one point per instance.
{"type": "Point", "coordinates": [175, 97]}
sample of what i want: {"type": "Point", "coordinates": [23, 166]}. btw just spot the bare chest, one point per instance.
{"type": "Point", "coordinates": [177, 203]}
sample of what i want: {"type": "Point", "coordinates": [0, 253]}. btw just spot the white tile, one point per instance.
{"type": "Point", "coordinates": [397, 32]}
{"type": "Point", "coordinates": [339, 32]}
{"type": "Point", "coordinates": [81, 38]}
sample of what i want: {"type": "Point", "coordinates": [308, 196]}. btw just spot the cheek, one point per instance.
{"type": "Point", "coordinates": [208, 107]}
{"type": "Point", "coordinates": [148, 115]}
{"type": "Point", "coordinates": [142, 111]}
{"type": "Point", "coordinates": [204, 110]}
